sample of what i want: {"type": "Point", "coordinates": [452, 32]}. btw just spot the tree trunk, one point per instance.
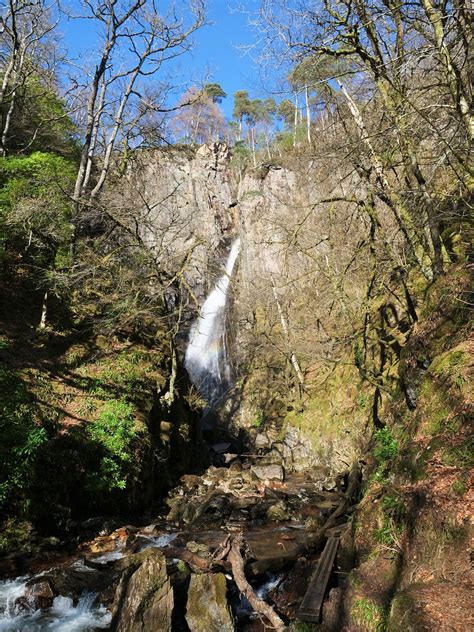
{"type": "Point", "coordinates": [308, 115]}
{"type": "Point", "coordinates": [284, 326]}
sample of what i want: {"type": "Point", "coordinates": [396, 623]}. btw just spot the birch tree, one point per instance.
{"type": "Point", "coordinates": [137, 41]}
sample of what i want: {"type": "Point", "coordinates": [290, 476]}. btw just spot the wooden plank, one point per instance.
{"type": "Point", "coordinates": [312, 604]}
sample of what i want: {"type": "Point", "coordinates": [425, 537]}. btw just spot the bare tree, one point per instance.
{"type": "Point", "coordinates": [136, 42]}
{"type": "Point", "coordinates": [25, 30]}
{"type": "Point", "coordinates": [382, 41]}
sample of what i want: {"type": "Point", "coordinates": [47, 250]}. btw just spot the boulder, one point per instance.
{"type": "Point", "coordinates": [144, 597]}
{"type": "Point", "coordinates": [207, 609]}
{"type": "Point", "coordinates": [271, 472]}
{"type": "Point", "coordinates": [39, 593]}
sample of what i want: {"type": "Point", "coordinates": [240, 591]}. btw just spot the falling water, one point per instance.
{"type": "Point", "coordinates": [205, 359]}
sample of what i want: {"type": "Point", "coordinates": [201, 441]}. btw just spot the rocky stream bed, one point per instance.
{"type": "Point", "coordinates": [173, 574]}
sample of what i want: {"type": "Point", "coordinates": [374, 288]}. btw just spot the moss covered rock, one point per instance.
{"type": "Point", "coordinates": [207, 609]}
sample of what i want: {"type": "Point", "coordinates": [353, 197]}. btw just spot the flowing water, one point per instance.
{"type": "Point", "coordinates": [63, 616]}
{"type": "Point", "coordinates": [205, 358]}
{"type": "Point", "coordinates": [18, 612]}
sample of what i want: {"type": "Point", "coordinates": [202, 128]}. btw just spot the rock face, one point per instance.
{"type": "Point", "coordinates": [144, 596]}
{"type": "Point", "coordinates": [195, 205]}
{"type": "Point", "coordinates": [207, 609]}
{"type": "Point", "coordinates": [189, 200]}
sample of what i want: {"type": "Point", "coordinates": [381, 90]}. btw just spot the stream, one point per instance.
{"type": "Point", "coordinates": [79, 593]}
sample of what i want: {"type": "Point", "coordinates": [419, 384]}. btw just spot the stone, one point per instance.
{"type": "Point", "coordinates": [262, 441]}
{"type": "Point", "coordinates": [271, 472]}
{"type": "Point", "coordinates": [199, 549]}
{"type": "Point", "coordinates": [39, 593]}
{"type": "Point", "coordinates": [207, 609]}
{"type": "Point", "coordinates": [144, 597]}
{"type": "Point", "coordinates": [278, 512]}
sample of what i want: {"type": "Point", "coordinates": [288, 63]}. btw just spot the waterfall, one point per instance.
{"type": "Point", "coordinates": [205, 358]}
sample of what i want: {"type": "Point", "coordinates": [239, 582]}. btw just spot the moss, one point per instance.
{"type": "Point", "coordinates": [221, 589]}
{"type": "Point", "coordinates": [335, 415]}
{"type": "Point", "coordinates": [368, 616]}
{"type": "Point", "coordinates": [434, 407]}
{"type": "Point", "coordinates": [454, 368]}
{"type": "Point", "coordinates": [402, 617]}
{"type": "Point", "coordinates": [460, 486]}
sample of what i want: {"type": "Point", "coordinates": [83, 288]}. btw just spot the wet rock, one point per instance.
{"type": "Point", "coordinates": [71, 581]}
{"type": "Point", "coordinates": [271, 472]}
{"type": "Point", "coordinates": [124, 532]}
{"type": "Point", "coordinates": [103, 544]}
{"type": "Point", "coordinates": [39, 593]}
{"type": "Point", "coordinates": [278, 512]}
{"type": "Point", "coordinates": [220, 448]}
{"type": "Point", "coordinates": [144, 598]}
{"type": "Point", "coordinates": [190, 481]}
{"type": "Point", "coordinates": [207, 609]}
{"type": "Point", "coordinates": [235, 466]}
{"type": "Point", "coordinates": [199, 549]}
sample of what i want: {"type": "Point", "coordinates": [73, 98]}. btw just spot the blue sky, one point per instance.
{"type": "Point", "coordinates": [215, 57]}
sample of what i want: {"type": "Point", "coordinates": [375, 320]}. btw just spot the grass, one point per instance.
{"type": "Point", "coordinates": [461, 456]}
{"type": "Point", "coordinates": [368, 616]}
{"type": "Point", "coordinates": [460, 486]}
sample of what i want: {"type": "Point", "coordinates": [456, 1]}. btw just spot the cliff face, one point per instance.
{"type": "Point", "coordinates": [196, 205]}
{"type": "Point", "coordinates": [185, 202]}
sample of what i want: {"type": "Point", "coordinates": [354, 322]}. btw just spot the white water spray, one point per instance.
{"type": "Point", "coordinates": [205, 358]}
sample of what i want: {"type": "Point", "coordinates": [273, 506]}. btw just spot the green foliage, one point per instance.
{"type": "Point", "coordinates": [460, 456]}
{"type": "Point", "coordinates": [114, 430]}
{"type": "Point", "coordinates": [386, 446]}
{"type": "Point", "coordinates": [258, 421]}
{"type": "Point", "coordinates": [385, 449]}
{"type": "Point", "coordinates": [215, 92]}
{"type": "Point", "coordinates": [14, 534]}
{"type": "Point", "coordinates": [241, 156]}
{"type": "Point", "coordinates": [34, 207]}
{"type": "Point", "coordinates": [301, 626]}
{"type": "Point", "coordinates": [393, 505]}
{"type": "Point", "coordinates": [459, 486]}
{"type": "Point", "coordinates": [40, 121]}
{"type": "Point", "coordinates": [22, 436]}
{"type": "Point", "coordinates": [389, 534]}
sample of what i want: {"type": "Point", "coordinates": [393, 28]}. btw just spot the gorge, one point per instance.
{"type": "Point", "coordinates": [288, 478]}
{"type": "Point", "coordinates": [236, 342]}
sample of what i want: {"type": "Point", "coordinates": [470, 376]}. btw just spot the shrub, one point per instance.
{"type": "Point", "coordinates": [386, 446]}
{"type": "Point", "coordinates": [21, 438]}
{"type": "Point", "coordinates": [114, 430]}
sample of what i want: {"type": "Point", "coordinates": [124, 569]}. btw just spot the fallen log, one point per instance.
{"type": "Point", "coordinates": [185, 555]}
{"type": "Point", "coordinates": [259, 605]}
{"type": "Point", "coordinates": [353, 484]}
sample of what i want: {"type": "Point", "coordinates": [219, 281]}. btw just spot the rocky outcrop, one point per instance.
{"type": "Point", "coordinates": [207, 609]}
{"type": "Point", "coordinates": [144, 598]}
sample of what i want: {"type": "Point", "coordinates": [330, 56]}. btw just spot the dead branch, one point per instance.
{"type": "Point", "coordinates": [237, 563]}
